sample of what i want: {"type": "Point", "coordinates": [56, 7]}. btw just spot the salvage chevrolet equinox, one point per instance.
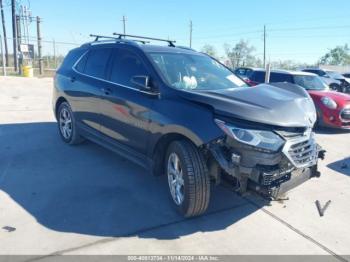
{"type": "Point", "coordinates": [183, 114]}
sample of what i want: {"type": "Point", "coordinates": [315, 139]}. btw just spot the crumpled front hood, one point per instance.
{"type": "Point", "coordinates": [287, 105]}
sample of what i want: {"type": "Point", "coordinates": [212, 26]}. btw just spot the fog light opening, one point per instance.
{"type": "Point", "coordinates": [236, 159]}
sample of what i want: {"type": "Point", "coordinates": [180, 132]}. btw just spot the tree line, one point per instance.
{"type": "Point", "coordinates": [242, 54]}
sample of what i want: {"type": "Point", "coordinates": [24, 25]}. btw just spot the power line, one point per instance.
{"type": "Point", "coordinates": [308, 28]}
{"type": "Point", "coordinates": [256, 26]}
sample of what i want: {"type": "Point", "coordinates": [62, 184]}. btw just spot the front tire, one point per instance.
{"type": "Point", "coordinates": [67, 125]}
{"type": "Point", "coordinates": [188, 178]}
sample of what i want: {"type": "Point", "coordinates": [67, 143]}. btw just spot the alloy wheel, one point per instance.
{"type": "Point", "coordinates": [65, 121]}
{"type": "Point", "coordinates": [175, 179]}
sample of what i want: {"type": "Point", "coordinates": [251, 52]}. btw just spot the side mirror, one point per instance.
{"type": "Point", "coordinates": [142, 82]}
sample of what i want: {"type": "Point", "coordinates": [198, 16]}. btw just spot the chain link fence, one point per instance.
{"type": "Point", "coordinates": [53, 53]}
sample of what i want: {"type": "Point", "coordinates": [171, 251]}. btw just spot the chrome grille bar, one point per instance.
{"type": "Point", "coordinates": [302, 152]}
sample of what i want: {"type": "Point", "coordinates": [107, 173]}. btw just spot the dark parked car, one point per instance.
{"type": "Point", "coordinates": [181, 113]}
{"type": "Point", "coordinates": [252, 76]}
{"type": "Point", "coordinates": [334, 80]}
{"type": "Point", "coordinates": [346, 75]}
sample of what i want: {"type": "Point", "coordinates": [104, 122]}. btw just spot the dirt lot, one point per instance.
{"type": "Point", "coordinates": [58, 199]}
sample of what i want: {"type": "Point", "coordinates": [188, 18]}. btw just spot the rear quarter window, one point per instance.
{"type": "Point", "coordinates": [71, 58]}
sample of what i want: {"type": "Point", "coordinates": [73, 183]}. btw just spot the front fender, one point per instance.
{"type": "Point", "coordinates": [183, 118]}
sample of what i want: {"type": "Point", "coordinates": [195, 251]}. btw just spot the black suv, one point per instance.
{"type": "Point", "coordinates": [183, 114]}
{"type": "Point", "coordinates": [252, 76]}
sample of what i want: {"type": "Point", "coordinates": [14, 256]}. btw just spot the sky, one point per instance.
{"type": "Point", "coordinates": [297, 30]}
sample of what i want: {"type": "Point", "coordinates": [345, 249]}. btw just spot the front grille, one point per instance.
{"type": "Point", "coordinates": [301, 152]}
{"type": "Point", "coordinates": [345, 114]}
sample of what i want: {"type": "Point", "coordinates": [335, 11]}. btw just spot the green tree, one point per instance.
{"type": "Point", "coordinates": [210, 50]}
{"type": "Point", "coordinates": [337, 56]}
{"type": "Point", "coordinates": [240, 54]}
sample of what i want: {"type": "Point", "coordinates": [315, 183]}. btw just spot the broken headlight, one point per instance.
{"type": "Point", "coordinates": [257, 138]}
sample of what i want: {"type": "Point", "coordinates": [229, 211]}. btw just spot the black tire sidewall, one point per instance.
{"type": "Point", "coordinates": [177, 149]}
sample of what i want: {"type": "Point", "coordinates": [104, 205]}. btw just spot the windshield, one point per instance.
{"type": "Point", "coordinates": [310, 82]}
{"type": "Point", "coordinates": [195, 72]}
{"type": "Point", "coordinates": [335, 75]}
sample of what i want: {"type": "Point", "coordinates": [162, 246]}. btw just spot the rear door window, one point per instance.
{"type": "Point", "coordinates": [241, 72]}
{"type": "Point", "coordinates": [97, 61]}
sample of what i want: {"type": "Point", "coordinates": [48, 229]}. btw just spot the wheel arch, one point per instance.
{"type": "Point", "coordinates": [158, 152]}
{"type": "Point", "coordinates": [59, 101]}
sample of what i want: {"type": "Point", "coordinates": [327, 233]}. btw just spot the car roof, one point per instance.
{"type": "Point", "coordinates": [292, 72]}
{"type": "Point", "coordinates": [251, 68]}
{"type": "Point", "coordinates": [282, 71]}
{"type": "Point", "coordinates": [313, 68]}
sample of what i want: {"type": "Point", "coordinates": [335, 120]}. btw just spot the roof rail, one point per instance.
{"type": "Point", "coordinates": [121, 36]}
{"type": "Point", "coordinates": [117, 39]}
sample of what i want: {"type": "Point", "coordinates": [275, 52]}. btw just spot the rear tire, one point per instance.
{"type": "Point", "coordinates": [67, 125]}
{"type": "Point", "coordinates": [188, 178]}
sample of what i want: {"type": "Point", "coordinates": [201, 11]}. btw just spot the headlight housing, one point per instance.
{"type": "Point", "coordinates": [329, 102]}
{"type": "Point", "coordinates": [267, 140]}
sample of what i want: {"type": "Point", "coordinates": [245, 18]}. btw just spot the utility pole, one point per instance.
{"type": "Point", "coordinates": [38, 21]}
{"type": "Point", "coordinates": [19, 33]}
{"type": "Point", "coordinates": [4, 31]}
{"type": "Point", "coordinates": [14, 33]}
{"type": "Point", "coordinates": [124, 24]}
{"type": "Point", "coordinates": [264, 46]}
{"type": "Point", "coordinates": [191, 31]}
{"type": "Point", "coordinates": [3, 58]}
{"type": "Point", "coordinates": [54, 53]}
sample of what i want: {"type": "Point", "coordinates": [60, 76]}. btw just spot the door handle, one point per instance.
{"type": "Point", "coordinates": [106, 91]}
{"type": "Point", "coordinates": [73, 79]}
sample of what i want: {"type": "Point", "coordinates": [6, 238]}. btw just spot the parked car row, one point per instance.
{"type": "Point", "coordinates": [334, 80]}
{"type": "Point", "coordinates": [181, 113]}
{"type": "Point", "coordinates": [333, 108]}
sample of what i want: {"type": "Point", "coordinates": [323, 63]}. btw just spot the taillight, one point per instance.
{"type": "Point", "coordinates": [250, 82]}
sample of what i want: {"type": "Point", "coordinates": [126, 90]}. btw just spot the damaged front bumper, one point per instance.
{"type": "Point", "coordinates": [269, 173]}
